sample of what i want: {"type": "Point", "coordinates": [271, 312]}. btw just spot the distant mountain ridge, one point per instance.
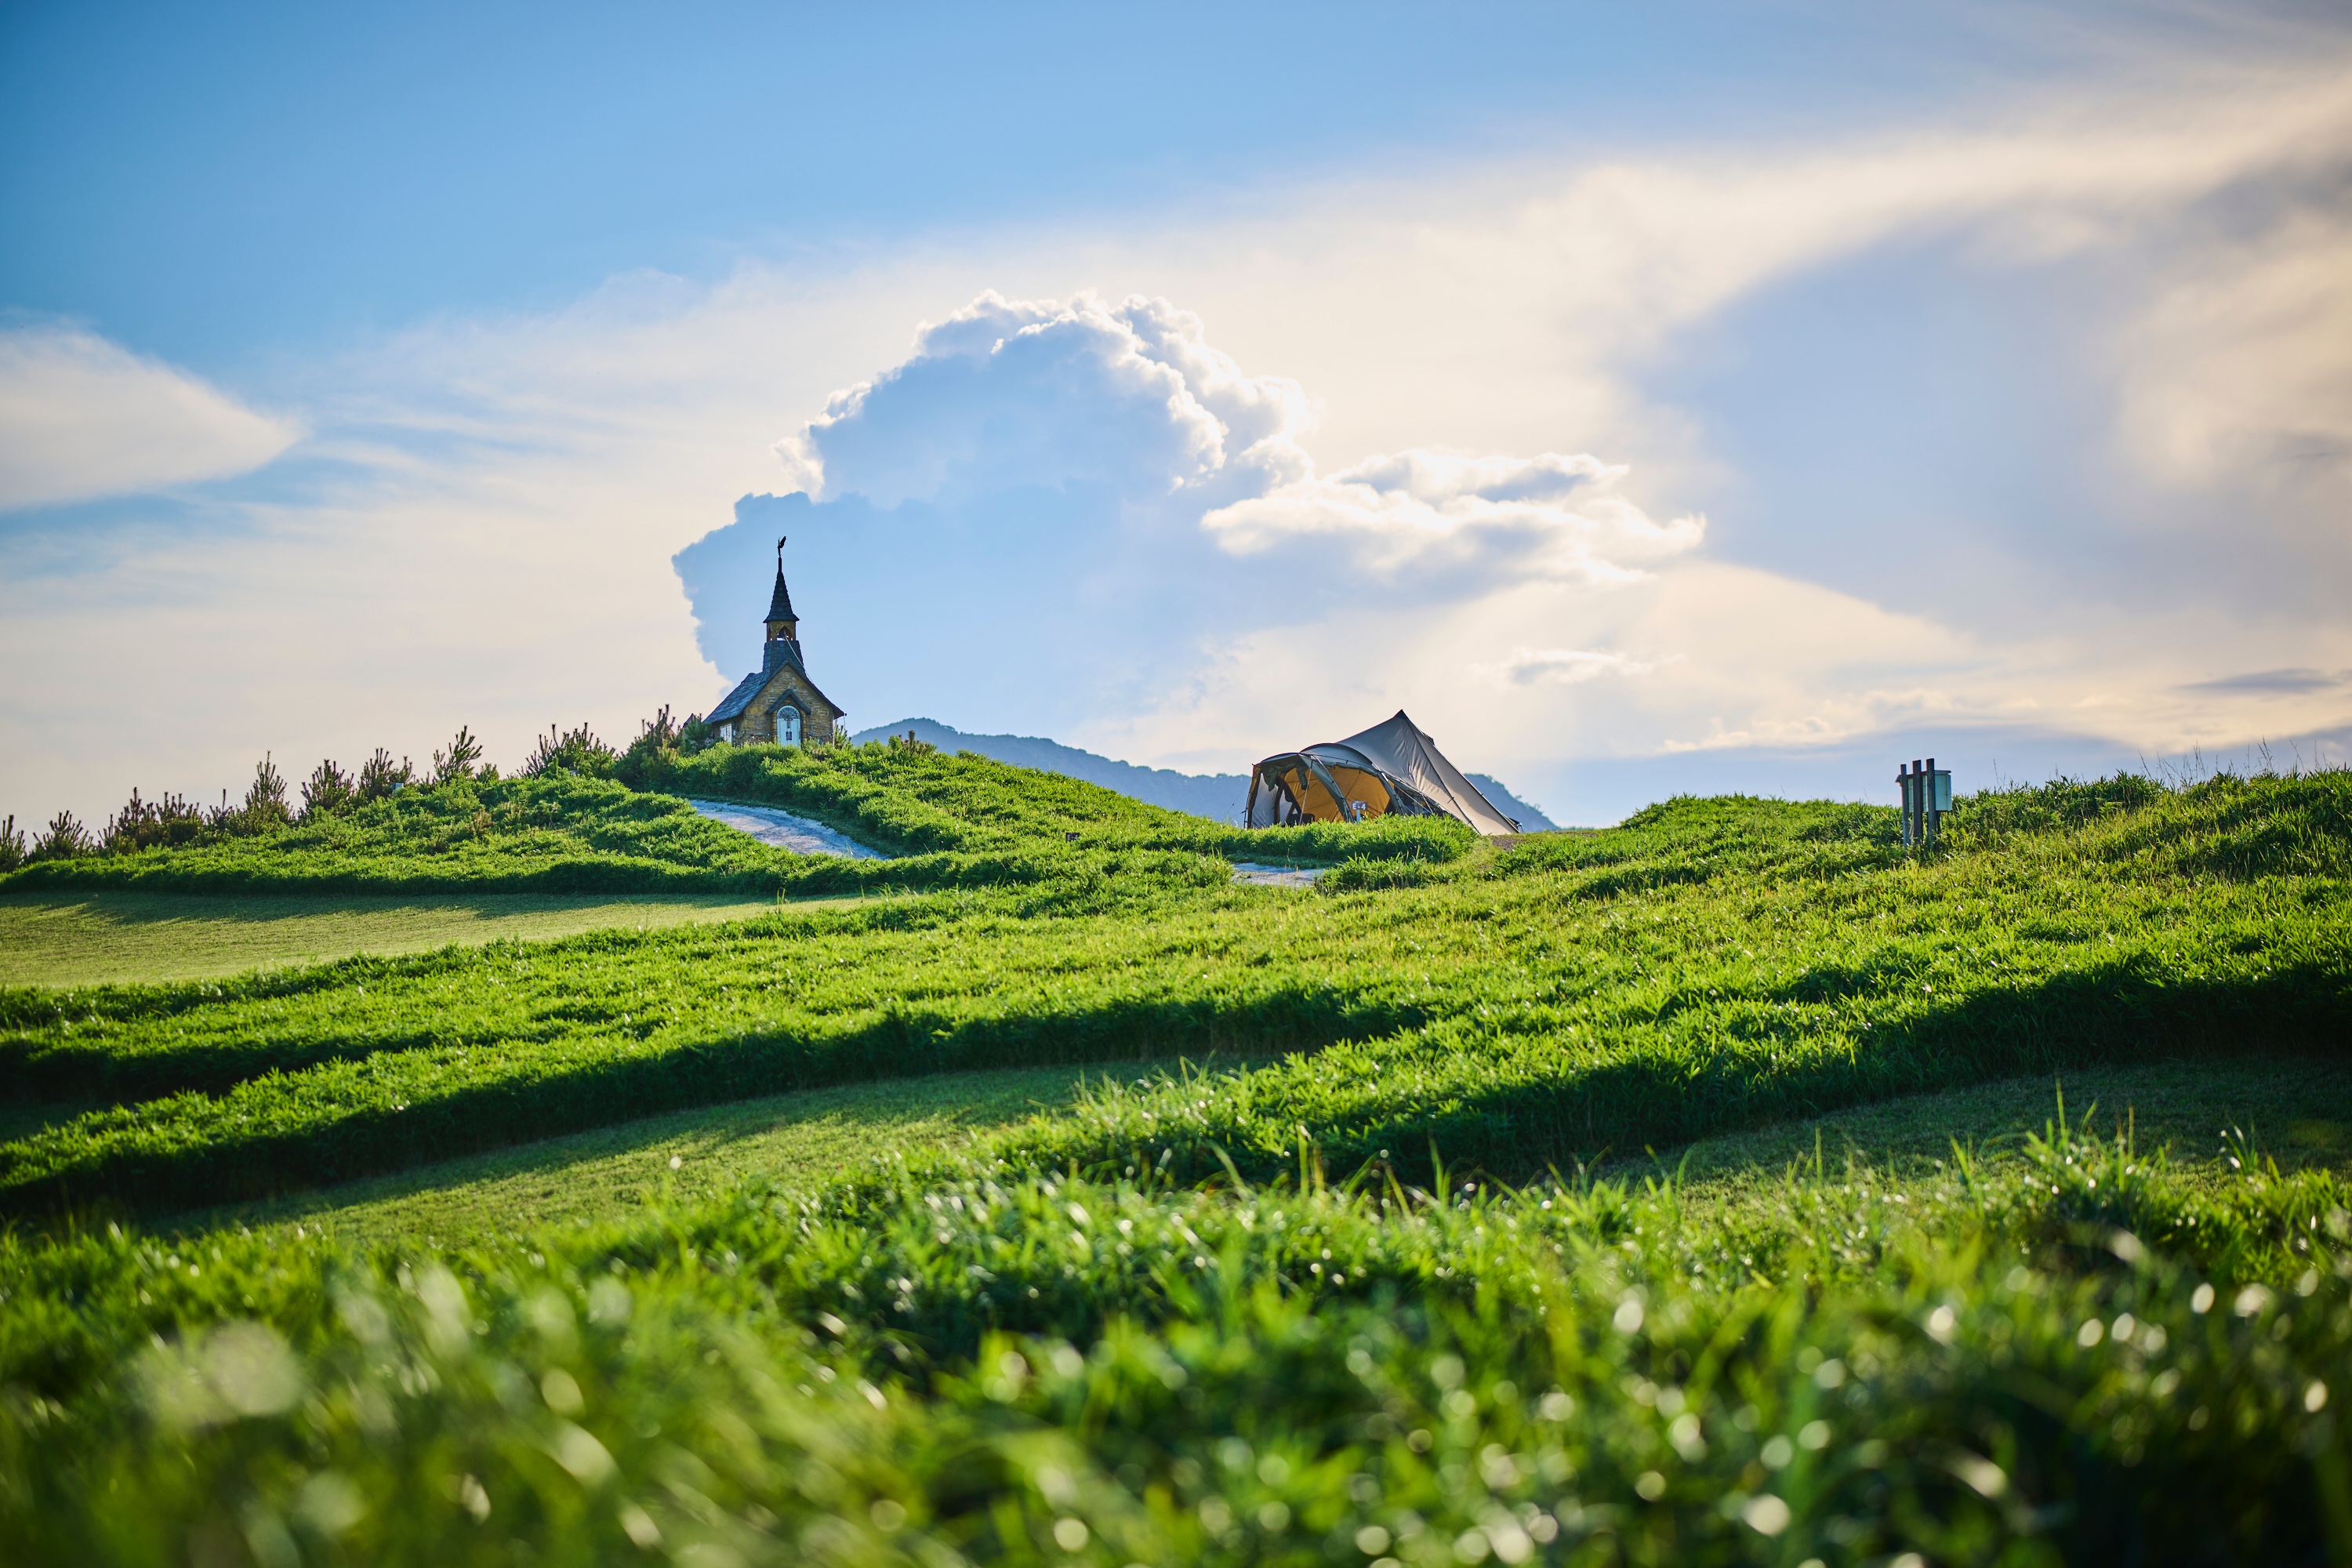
{"type": "Point", "coordinates": [1529, 819]}
{"type": "Point", "coordinates": [1219, 796]}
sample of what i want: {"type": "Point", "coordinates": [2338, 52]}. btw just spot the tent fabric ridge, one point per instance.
{"type": "Point", "coordinates": [1414, 776]}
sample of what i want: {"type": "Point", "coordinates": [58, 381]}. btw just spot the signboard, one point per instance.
{"type": "Point", "coordinates": [1926, 792]}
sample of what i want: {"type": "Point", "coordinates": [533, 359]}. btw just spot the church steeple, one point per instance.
{"type": "Point", "coordinates": [783, 626]}
{"type": "Point", "coordinates": [778, 704]}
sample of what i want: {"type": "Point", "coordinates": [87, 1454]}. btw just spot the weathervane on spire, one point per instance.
{"type": "Point", "coordinates": [780, 550]}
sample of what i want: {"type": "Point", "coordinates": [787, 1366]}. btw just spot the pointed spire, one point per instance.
{"type": "Point", "coordinates": [780, 603]}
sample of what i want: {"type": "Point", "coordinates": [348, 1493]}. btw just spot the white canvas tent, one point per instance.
{"type": "Point", "coordinates": [1391, 767]}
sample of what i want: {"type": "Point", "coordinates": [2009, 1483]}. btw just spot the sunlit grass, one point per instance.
{"type": "Point", "coordinates": [1352, 1300]}
{"type": "Point", "coordinates": [2062, 1359]}
{"type": "Point", "coordinates": [1714, 965]}
{"type": "Point", "coordinates": [110, 937]}
{"type": "Point", "coordinates": [802, 1141]}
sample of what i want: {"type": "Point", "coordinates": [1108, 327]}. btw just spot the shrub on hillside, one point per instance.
{"type": "Point", "coordinates": [659, 740]}
{"type": "Point", "coordinates": [150, 825]}
{"type": "Point", "coordinates": [456, 764]}
{"type": "Point", "coordinates": [12, 847]}
{"type": "Point", "coordinates": [65, 839]}
{"type": "Point", "coordinates": [569, 752]}
{"type": "Point", "coordinates": [329, 792]}
{"type": "Point", "coordinates": [264, 809]}
{"type": "Point", "coordinates": [380, 779]}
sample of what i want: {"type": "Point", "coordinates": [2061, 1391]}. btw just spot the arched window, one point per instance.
{"type": "Point", "coordinates": [788, 726]}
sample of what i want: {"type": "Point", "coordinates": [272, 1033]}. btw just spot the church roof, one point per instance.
{"type": "Point", "coordinates": [740, 699]}
{"type": "Point", "coordinates": [838, 712]}
{"type": "Point", "coordinates": [780, 603]}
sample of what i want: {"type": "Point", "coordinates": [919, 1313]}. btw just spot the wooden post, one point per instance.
{"type": "Point", "coordinates": [1918, 803]}
{"type": "Point", "coordinates": [1928, 803]}
{"type": "Point", "coordinates": [1903, 793]}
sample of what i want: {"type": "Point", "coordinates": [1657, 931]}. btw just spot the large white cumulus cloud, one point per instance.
{"type": "Point", "coordinates": [1012, 393]}
{"type": "Point", "coordinates": [1133, 401]}
{"type": "Point", "coordinates": [1461, 513]}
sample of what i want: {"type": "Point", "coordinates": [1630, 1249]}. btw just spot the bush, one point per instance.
{"type": "Point", "coordinates": [264, 809]}
{"type": "Point", "coordinates": [380, 780]}
{"type": "Point", "coordinates": [65, 839]}
{"type": "Point", "coordinates": [657, 739]}
{"type": "Point", "coordinates": [152, 824]}
{"type": "Point", "coordinates": [329, 792]}
{"type": "Point", "coordinates": [569, 752]}
{"type": "Point", "coordinates": [12, 847]}
{"type": "Point", "coordinates": [456, 764]}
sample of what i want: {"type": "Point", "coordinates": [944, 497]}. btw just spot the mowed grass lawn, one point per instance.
{"type": "Point", "coordinates": [117, 937]}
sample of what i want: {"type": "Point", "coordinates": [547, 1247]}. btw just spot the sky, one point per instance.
{"type": "Point", "coordinates": [1672, 399]}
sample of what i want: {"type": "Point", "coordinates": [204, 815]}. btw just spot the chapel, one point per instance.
{"type": "Point", "coordinates": [778, 702]}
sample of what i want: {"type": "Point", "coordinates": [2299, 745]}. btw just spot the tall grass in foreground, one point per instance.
{"type": "Point", "coordinates": [2081, 1360]}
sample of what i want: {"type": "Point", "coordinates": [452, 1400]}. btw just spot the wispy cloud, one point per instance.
{"type": "Point", "coordinates": [2289, 683]}
{"type": "Point", "coordinates": [1560, 666]}
{"type": "Point", "coordinates": [82, 418]}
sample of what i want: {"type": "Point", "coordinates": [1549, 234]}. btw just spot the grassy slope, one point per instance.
{"type": "Point", "coordinates": [2297, 1110]}
{"type": "Point", "coordinates": [558, 835]}
{"type": "Point", "coordinates": [1713, 965]}
{"type": "Point", "coordinates": [2201, 1114]}
{"type": "Point", "coordinates": [104, 938]}
{"type": "Point", "coordinates": [2071, 1353]}
{"type": "Point", "coordinates": [799, 1141]}
{"type": "Point", "coordinates": [952, 822]}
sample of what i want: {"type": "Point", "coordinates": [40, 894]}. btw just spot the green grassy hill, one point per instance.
{"type": "Point", "coordinates": [1343, 1297]}
{"type": "Point", "coordinates": [945, 821]}
{"type": "Point", "coordinates": [97, 937]}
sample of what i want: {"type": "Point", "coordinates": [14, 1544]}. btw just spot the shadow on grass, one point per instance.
{"type": "Point", "coordinates": [794, 1139]}
{"type": "Point", "coordinates": [2295, 1109]}
{"type": "Point", "coordinates": [378, 1138]}
{"type": "Point", "coordinates": [1676, 1092]}
{"type": "Point", "coordinates": [899, 1040]}
{"type": "Point", "coordinates": [104, 909]}
{"type": "Point", "coordinates": [94, 944]}
{"type": "Point", "coordinates": [1672, 1089]}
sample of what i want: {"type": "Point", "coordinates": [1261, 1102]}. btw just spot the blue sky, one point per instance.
{"type": "Point", "coordinates": [1973, 381]}
{"type": "Point", "coordinates": [209, 185]}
